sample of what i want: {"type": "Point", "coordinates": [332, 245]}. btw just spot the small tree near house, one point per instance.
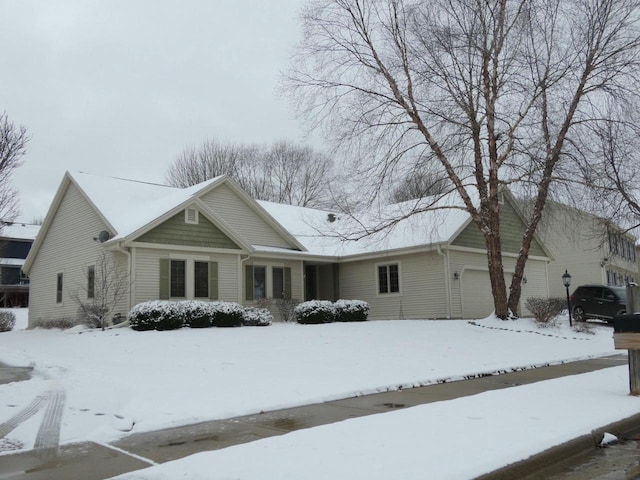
{"type": "Point", "coordinates": [104, 287]}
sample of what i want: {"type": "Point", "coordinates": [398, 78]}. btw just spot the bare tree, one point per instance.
{"type": "Point", "coordinates": [492, 90]}
{"type": "Point", "coordinates": [284, 173]}
{"type": "Point", "coordinates": [13, 146]}
{"type": "Point", "coordinates": [420, 183]}
{"type": "Point", "coordinates": [105, 287]}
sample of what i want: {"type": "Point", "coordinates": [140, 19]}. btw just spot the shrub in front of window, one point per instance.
{"type": "Point", "coordinates": [197, 314]}
{"type": "Point", "coordinates": [315, 312]}
{"type": "Point", "coordinates": [351, 310]}
{"type": "Point", "coordinates": [256, 317]}
{"type": "Point", "coordinates": [226, 314]}
{"type": "Point", "coordinates": [156, 315]}
{"type": "Point", "coordinates": [545, 310]}
{"type": "Point", "coordinates": [7, 321]}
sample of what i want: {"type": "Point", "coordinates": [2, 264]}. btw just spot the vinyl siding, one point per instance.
{"type": "Point", "coordinates": [579, 243]}
{"type": "Point", "coordinates": [242, 218]}
{"type": "Point", "coordinates": [422, 289]}
{"type": "Point", "coordinates": [462, 261]}
{"type": "Point", "coordinates": [147, 268]}
{"type": "Point", "coordinates": [511, 231]}
{"type": "Point", "coordinates": [176, 231]}
{"type": "Point", "coordinates": [68, 248]}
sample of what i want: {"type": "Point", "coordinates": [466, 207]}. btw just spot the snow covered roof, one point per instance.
{"type": "Point", "coordinates": [20, 231]}
{"type": "Point", "coordinates": [339, 237]}
{"type": "Point", "coordinates": [128, 205]}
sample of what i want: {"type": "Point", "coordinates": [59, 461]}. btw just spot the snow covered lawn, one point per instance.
{"type": "Point", "coordinates": [119, 379]}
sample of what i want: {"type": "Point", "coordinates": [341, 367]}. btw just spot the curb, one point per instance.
{"type": "Point", "coordinates": [565, 451]}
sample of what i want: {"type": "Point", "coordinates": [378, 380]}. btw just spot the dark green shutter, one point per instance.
{"type": "Point", "coordinates": [164, 279]}
{"type": "Point", "coordinates": [213, 280]}
{"type": "Point", "coordinates": [248, 281]}
{"type": "Point", "coordinates": [287, 282]}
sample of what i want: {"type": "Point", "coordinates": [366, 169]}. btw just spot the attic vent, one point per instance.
{"type": "Point", "coordinates": [331, 217]}
{"type": "Point", "coordinates": [501, 198]}
{"type": "Point", "coordinates": [191, 216]}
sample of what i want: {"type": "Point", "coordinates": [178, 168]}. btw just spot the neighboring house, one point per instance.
{"type": "Point", "coordinates": [15, 242]}
{"type": "Point", "coordinates": [212, 241]}
{"type": "Point", "coordinates": [590, 248]}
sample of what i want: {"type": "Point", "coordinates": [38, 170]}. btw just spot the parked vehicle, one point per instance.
{"type": "Point", "coordinates": [598, 301]}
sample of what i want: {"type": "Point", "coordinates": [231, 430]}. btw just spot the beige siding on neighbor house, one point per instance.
{"type": "Point", "coordinates": [579, 243]}
{"type": "Point", "coordinates": [147, 267]}
{"type": "Point", "coordinates": [68, 248]}
{"type": "Point", "coordinates": [242, 218]}
{"type": "Point", "coordinates": [422, 288]}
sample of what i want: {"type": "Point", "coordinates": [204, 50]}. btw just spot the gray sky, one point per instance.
{"type": "Point", "coordinates": [120, 88]}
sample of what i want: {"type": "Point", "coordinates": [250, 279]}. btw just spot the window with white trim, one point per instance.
{"type": "Point", "coordinates": [59, 284]}
{"type": "Point", "coordinates": [389, 278]}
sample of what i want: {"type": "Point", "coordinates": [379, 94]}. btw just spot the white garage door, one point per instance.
{"type": "Point", "coordinates": [477, 300]}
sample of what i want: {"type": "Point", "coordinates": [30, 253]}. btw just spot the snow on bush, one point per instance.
{"type": "Point", "coordinates": [226, 314]}
{"type": "Point", "coordinates": [351, 310]}
{"type": "Point", "coordinates": [315, 311]}
{"type": "Point", "coordinates": [196, 313]}
{"type": "Point", "coordinates": [256, 317]}
{"type": "Point", "coordinates": [156, 315]}
{"type": "Point", "coordinates": [7, 321]}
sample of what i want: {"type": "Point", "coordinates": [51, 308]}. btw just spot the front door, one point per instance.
{"type": "Point", "coordinates": [310, 282]}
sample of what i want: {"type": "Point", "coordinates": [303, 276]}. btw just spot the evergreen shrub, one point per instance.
{"type": "Point", "coordinates": [315, 312]}
{"type": "Point", "coordinates": [157, 315]}
{"type": "Point", "coordinates": [7, 321]}
{"type": "Point", "coordinates": [351, 310]}
{"type": "Point", "coordinates": [256, 317]}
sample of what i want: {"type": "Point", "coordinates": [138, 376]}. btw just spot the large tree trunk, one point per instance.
{"type": "Point", "coordinates": [496, 275]}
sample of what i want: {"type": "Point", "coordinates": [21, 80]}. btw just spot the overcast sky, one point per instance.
{"type": "Point", "coordinates": [121, 87]}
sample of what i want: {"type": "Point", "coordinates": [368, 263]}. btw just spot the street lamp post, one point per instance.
{"type": "Point", "coordinates": [566, 280]}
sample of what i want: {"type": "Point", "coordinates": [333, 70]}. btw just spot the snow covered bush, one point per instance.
{"type": "Point", "coordinates": [315, 311]}
{"type": "Point", "coordinates": [196, 314]}
{"type": "Point", "coordinates": [545, 310]}
{"type": "Point", "coordinates": [226, 314]}
{"type": "Point", "coordinates": [156, 315]}
{"type": "Point", "coordinates": [351, 310]}
{"type": "Point", "coordinates": [256, 317]}
{"type": "Point", "coordinates": [7, 321]}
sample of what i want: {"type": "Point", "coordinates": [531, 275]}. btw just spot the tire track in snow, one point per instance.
{"type": "Point", "coordinates": [23, 415]}
{"type": "Point", "coordinates": [48, 436]}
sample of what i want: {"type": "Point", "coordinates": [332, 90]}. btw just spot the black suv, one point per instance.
{"type": "Point", "coordinates": [598, 301]}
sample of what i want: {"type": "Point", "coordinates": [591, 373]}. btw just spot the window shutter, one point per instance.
{"type": "Point", "coordinates": [213, 280]}
{"type": "Point", "coordinates": [248, 281]}
{"type": "Point", "coordinates": [287, 282]}
{"type": "Point", "coordinates": [164, 279]}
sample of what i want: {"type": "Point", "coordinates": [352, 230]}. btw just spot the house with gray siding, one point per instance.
{"type": "Point", "coordinates": [212, 241]}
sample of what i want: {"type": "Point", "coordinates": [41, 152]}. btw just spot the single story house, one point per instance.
{"type": "Point", "coordinates": [212, 241]}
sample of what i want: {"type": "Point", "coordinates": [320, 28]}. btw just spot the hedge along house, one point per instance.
{"type": "Point", "coordinates": [214, 242]}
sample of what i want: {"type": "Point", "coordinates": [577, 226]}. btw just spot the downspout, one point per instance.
{"type": "Point", "coordinates": [447, 284]}
{"type": "Point", "coordinates": [129, 270]}
{"type": "Point", "coordinates": [240, 270]}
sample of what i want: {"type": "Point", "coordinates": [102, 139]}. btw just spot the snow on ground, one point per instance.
{"type": "Point", "coordinates": [22, 317]}
{"type": "Point", "coordinates": [454, 440]}
{"type": "Point", "coordinates": [162, 379]}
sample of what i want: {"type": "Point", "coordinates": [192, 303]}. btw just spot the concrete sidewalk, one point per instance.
{"type": "Point", "coordinates": [92, 461]}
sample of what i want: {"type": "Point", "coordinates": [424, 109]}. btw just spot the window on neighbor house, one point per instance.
{"type": "Point", "coordinates": [178, 280]}
{"type": "Point", "coordinates": [259, 282]}
{"type": "Point", "coordinates": [201, 279]}
{"type": "Point", "coordinates": [388, 278]}
{"type": "Point", "coordinates": [91, 281]}
{"type": "Point", "coordinates": [59, 289]}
